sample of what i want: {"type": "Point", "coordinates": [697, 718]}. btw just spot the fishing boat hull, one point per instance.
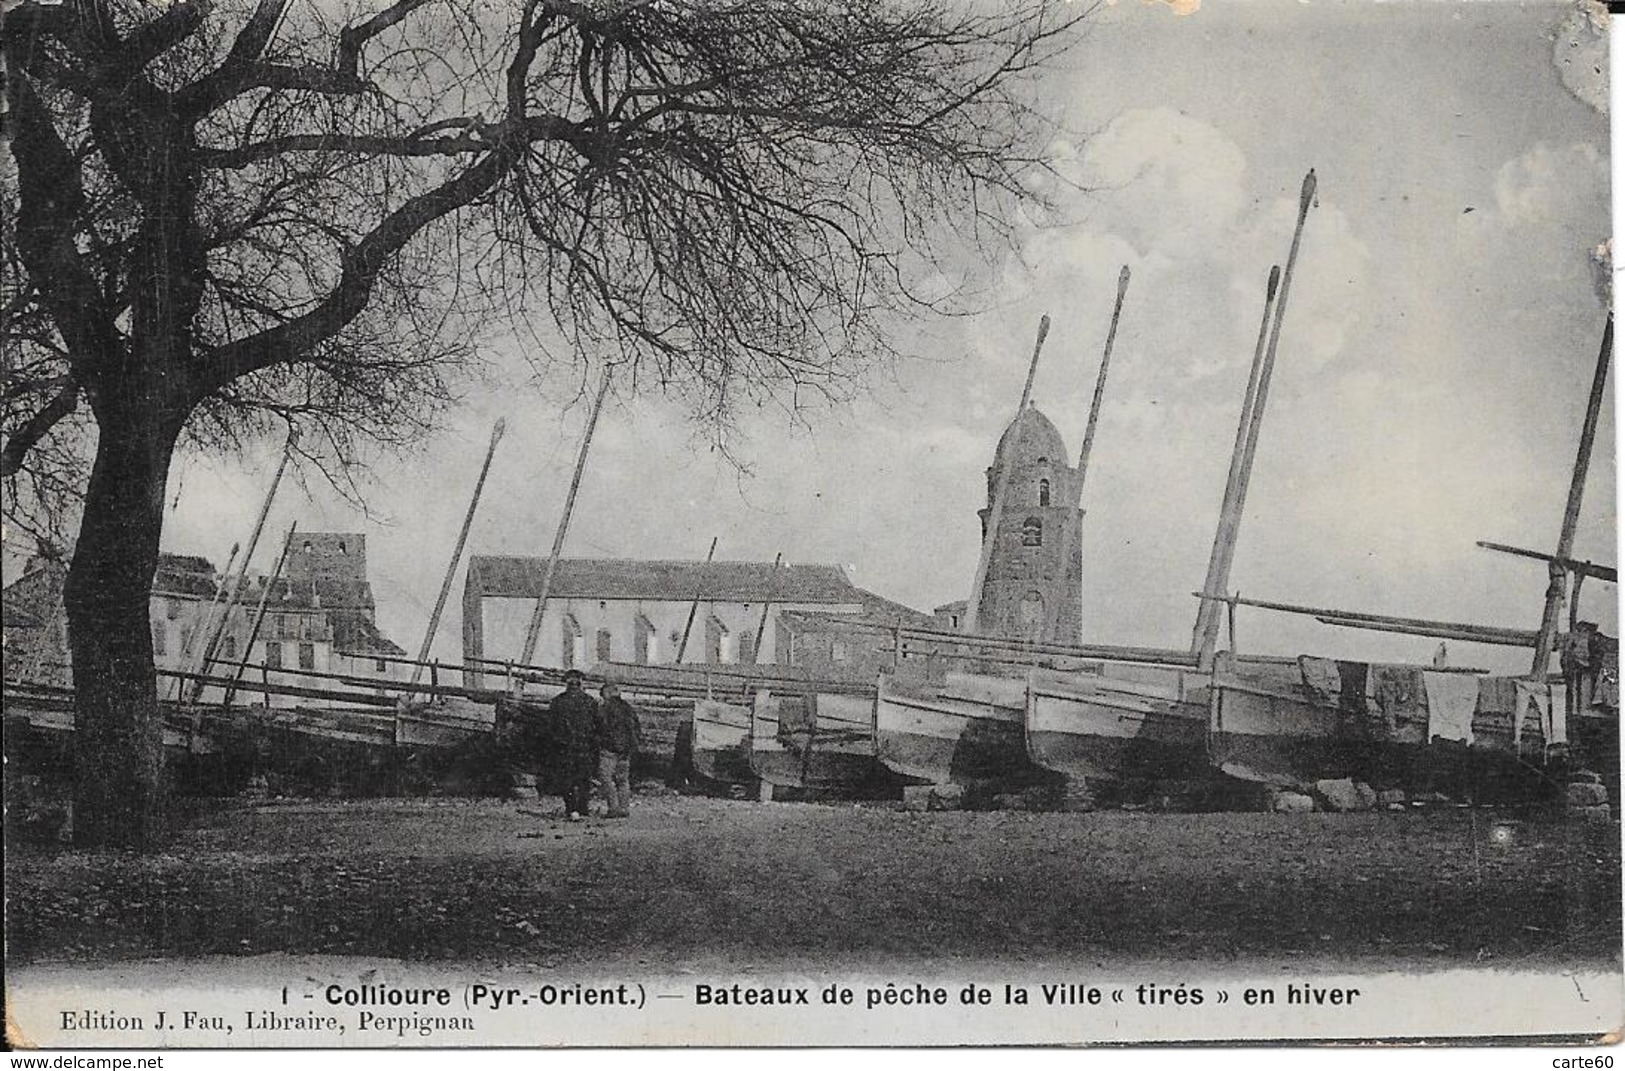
{"type": "Point", "coordinates": [1100, 728]}
{"type": "Point", "coordinates": [817, 741]}
{"type": "Point", "coordinates": [1267, 729]}
{"type": "Point", "coordinates": [721, 750]}
{"type": "Point", "coordinates": [968, 730]}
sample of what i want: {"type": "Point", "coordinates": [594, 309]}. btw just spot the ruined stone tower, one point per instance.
{"type": "Point", "coordinates": [1035, 576]}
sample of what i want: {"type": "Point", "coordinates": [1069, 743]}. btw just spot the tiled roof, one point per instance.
{"type": "Point", "coordinates": [354, 633]}
{"type": "Point", "coordinates": [184, 574]}
{"type": "Point", "coordinates": [617, 578]}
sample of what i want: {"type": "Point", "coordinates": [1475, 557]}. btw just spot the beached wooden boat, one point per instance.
{"type": "Point", "coordinates": [968, 728]}
{"type": "Point", "coordinates": [445, 722]}
{"type": "Point", "coordinates": [1266, 725]}
{"type": "Point", "coordinates": [1384, 723]}
{"type": "Point", "coordinates": [1119, 722]}
{"type": "Point", "coordinates": [816, 741]}
{"type": "Point", "coordinates": [722, 742]}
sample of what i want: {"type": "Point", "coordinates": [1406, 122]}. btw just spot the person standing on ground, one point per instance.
{"type": "Point", "coordinates": [619, 735]}
{"type": "Point", "coordinates": [574, 714]}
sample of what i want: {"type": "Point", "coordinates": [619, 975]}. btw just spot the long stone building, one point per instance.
{"type": "Point", "coordinates": [603, 610]}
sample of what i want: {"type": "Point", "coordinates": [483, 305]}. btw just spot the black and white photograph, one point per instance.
{"type": "Point", "coordinates": [736, 523]}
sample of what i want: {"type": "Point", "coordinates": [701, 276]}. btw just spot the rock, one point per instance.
{"type": "Point", "coordinates": [1390, 796]}
{"type": "Point", "coordinates": [1598, 815]}
{"type": "Point", "coordinates": [1343, 794]}
{"type": "Point", "coordinates": [1285, 801]}
{"type": "Point", "coordinates": [1367, 794]}
{"type": "Point", "coordinates": [946, 798]}
{"type": "Point", "coordinates": [1042, 797]}
{"type": "Point", "coordinates": [1580, 794]}
{"type": "Point", "coordinates": [1009, 801]}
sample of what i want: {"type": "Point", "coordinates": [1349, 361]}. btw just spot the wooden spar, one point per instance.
{"type": "Point", "coordinates": [1255, 421]}
{"type": "Point", "coordinates": [1100, 383]}
{"type": "Point", "coordinates": [1547, 638]}
{"type": "Point", "coordinates": [761, 626]}
{"type": "Point", "coordinates": [208, 621]}
{"type": "Point", "coordinates": [1449, 630]}
{"type": "Point", "coordinates": [693, 607]}
{"type": "Point", "coordinates": [1001, 481]}
{"type": "Point", "coordinates": [259, 614]}
{"type": "Point", "coordinates": [213, 644]}
{"type": "Point", "coordinates": [457, 551]}
{"type": "Point", "coordinates": [535, 628]}
{"type": "Point", "coordinates": [1575, 566]}
{"type": "Point", "coordinates": [1205, 636]}
{"type": "Point", "coordinates": [1097, 652]}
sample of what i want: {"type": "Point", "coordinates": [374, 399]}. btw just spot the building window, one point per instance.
{"type": "Point", "coordinates": [1032, 532]}
{"type": "Point", "coordinates": [571, 636]}
{"type": "Point", "coordinates": [747, 648]}
{"type": "Point", "coordinates": [1032, 615]}
{"type": "Point", "coordinates": [838, 651]}
{"type": "Point", "coordinates": [307, 656]}
{"type": "Point", "coordinates": [603, 645]}
{"type": "Point", "coordinates": [160, 638]}
{"type": "Point", "coordinates": [273, 656]}
{"type": "Point", "coordinates": [644, 641]}
{"type": "Point", "coordinates": [228, 648]}
{"type": "Point", "coordinates": [1043, 492]}
{"type": "Point", "coordinates": [718, 643]}
{"type": "Point", "coordinates": [380, 666]}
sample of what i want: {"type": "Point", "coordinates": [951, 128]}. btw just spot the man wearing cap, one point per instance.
{"type": "Point", "coordinates": [574, 714]}
{"type": "Point", "coordinates": [618, 734]}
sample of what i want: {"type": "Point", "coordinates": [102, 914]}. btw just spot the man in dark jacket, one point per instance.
{"type": "Point", "coordinates": [574, 715]}
{"type": "Point", "coordinates": [618, 735]}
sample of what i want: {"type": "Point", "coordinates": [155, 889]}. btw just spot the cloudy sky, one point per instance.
{"type": "Point", "coordinates": [1438, 348]}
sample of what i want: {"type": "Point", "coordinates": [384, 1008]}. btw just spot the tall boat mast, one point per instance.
{"type": "Point", "coordinates": [535, 628]}
{"type": "Point", "coordinates": [213, 643]}
{"type": "Point", "coordinates": [1546, 638]}
{"type": "Point", "coordinates": [1205, 636]}
{"type": "Point", "coordinates": [457, 551]}
{"type": "Point", "coordinates": [1100, 383]}
{"type": "Point", "coordinates": [1001, 480]}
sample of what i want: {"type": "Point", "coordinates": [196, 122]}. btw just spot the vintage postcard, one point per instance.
{"type": "Point", "coordinates": [808, 523]}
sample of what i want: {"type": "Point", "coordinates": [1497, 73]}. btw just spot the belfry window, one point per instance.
{"type": "Point", "coordinates": [1043, 492]}
{"type": "Point", "coordinates": [1032, 532]}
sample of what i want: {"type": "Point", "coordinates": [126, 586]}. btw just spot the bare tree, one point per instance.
{"type": "Point", "coordinates": [230, 212]}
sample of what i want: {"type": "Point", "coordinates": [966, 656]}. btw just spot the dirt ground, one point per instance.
{"type": "Point", "coordinates": [694, 879]}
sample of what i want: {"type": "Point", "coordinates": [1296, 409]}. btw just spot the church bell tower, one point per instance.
{"type": "Point", "coordinates": [1035, 575]}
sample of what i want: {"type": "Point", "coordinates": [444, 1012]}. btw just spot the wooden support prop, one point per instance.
{"type": "Point", "coordinates": [259, 613]}
{"type": "Point", "coordinates": [1001, 482]}
{"type": "Point", "coordinates": [761, 626]}
{"type": "Point", "coordinates": [1547, 637]}
{"type": "Point", "coordinates": [534, 630]}
{"type": "Point", "coordinates": [457, 551]}
{"type": "Point", "coordinates": [213, 643]}
{"type": "Point", "coordinates": [693, 607]}
{"type": "Point", "coordinates": [206, 626]}
{"type": "Point", "coordinates": [1416, 626]}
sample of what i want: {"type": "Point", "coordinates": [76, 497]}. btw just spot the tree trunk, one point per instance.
{"type": "Point", "coordinates": [119, 790]}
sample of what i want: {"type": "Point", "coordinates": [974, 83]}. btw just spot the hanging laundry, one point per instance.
{"type": "Point", "coordinates": [1452, 698]}
{"type": "Point", "coordinates": [1320, 676]}
{"type": "Point", "coordinates": [1398, 693]}
{"type": "Point", "coordinates": [1497, 700]}
{"type": "Point", "coordinates": [1535, 702]}
{"type": "Point", "coordinates": [1352, 700]}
